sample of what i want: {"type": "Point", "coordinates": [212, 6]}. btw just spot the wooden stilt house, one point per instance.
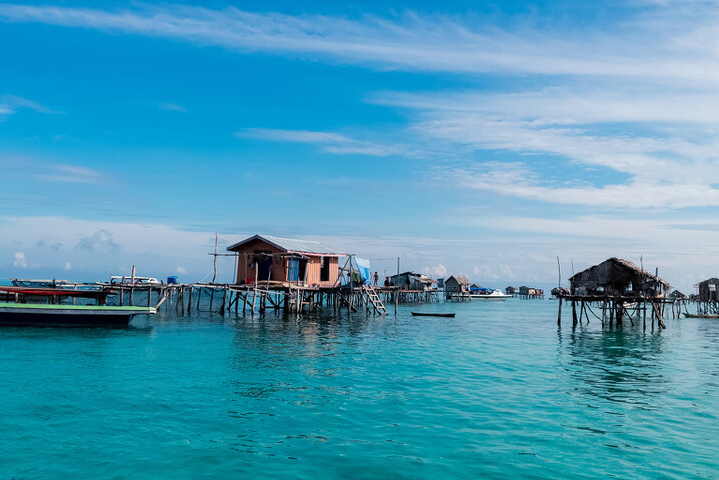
{"type": "Point", "coordinates": [267, 258]}
{"type": "Point", "coordinates": [617, 277]}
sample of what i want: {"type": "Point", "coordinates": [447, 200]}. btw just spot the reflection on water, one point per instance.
{"type": "Point", "coordinates": [495, 392]}
{"type": "Point", "coordinates": [617, 365]}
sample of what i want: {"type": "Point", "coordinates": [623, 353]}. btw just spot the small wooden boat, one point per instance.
{"type": "Point", "coordinates": [422, 314]}
{"type": "Point", "coordinates": [691, 315]}
{"type": "Point", "coordinates": [49, 315]}
{"type": "Point", "coordinates": [44, 307]}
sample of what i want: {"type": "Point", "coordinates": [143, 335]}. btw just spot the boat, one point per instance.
{"type": "Point", "coordinates": [44, 307]}
{"type": "Point", "coordinates": [34, 283]}
{"type": "Point", "coordinates": [53, 315]}
{"type": "Point", "coordinates": [128, 279]}
{"type": "Point", "coordinates": [691, 315]}
{"type": "Point", "coordinates": [423, 314]}
{"type": "Point", "coordinates": [487, 294]}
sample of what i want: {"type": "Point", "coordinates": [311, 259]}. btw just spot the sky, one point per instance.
{"type": "Point", "coordinates": [484, 139]}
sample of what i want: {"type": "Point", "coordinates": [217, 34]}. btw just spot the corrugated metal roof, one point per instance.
{"type": "Point", "coordinates": [291, 245]}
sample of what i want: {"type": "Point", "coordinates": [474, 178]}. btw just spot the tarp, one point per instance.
{"type": "Point", "coordinates": [363, 267]}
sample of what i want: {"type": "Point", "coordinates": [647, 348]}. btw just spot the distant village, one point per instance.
{"type": "Point", "coordinates": [302, 275]}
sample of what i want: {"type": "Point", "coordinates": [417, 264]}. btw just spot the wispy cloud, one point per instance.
{"type": "Point", "coordinates": [328, 141]}
{"type": "Point", "coordinates": [411, 41]}
{"type": "Point", "coordinates": [639, 96]}
{"type": "Point", "coordinates": [171, 107]}
{"type": "Point", "coordinates": [70, 174]}
{"type": "Point", "coordinates": [19, 166]}
{"type": "Point", "coordinates": [661, 143]}
{"type": "Point", "coordinates": [10, 104]}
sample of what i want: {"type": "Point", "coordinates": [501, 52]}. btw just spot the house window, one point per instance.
{"type": "Point", "coordinates": [324, 269]}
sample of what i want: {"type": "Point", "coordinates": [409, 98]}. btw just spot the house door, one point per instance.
{"type": "Point", "coordinates": [293, 270]}
{"type": "Point", "coordinates": [264, 268]}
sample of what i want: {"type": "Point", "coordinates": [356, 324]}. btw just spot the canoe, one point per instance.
{"type": "Point", "coordinates": [421, 314]}
{"type": "Point", "coordinates": [691, 315]}
{"type": "Point", "coordinates": [48, 315]}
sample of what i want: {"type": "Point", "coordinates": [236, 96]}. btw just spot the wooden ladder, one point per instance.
{"type": "Point", "coordinates": [375, 300]}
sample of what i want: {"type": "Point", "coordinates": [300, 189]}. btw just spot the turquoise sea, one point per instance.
{"type": "Point", "coordinates": [497, 392]}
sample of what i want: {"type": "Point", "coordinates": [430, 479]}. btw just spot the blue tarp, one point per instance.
{"type": "Point", "coordinates": [362, 266]}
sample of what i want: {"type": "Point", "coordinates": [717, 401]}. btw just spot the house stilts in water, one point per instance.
{"type": "Point", "coordinates": [707, 299]}
{"type": "Point", "coordinates": [293, 274]}
{"type": "Point", "coordinates": [620, 290]}
{"type": "Point", "coordinates": [457, 288]}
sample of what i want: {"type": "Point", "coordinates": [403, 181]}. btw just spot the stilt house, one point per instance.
{"type": "Point", "coordinates": [412, 281]}
{"type": "Point", "coordinates": [456, 284]}
{"type": "Point", "coordinates": [286, 260]}
{"type": "Point", "coordinates": [617, 277]}
{"type": "Point", "coordinates": [708, 290]}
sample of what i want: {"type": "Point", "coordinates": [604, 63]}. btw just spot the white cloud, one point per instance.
{"type": "Point", "coordinates": [639, 46]}
{"type": "Point", "coordinates": [10, 104]}
{"type": "Point", "coordinates": [439, 270]}
{"type": "Point", "coordinates": [19, 260]}
{"type": "Point", "coordinates": [655, 68]}
{"type": "Point", "coordinates": [182, 271]}
{"type": "Point", "coordinates": [171, 107]}
{"type": "Point", "coordinates": [329, 141]}
{"type": "Point", "coordinates": [68, 266]}
{"type": "Point", "coordinates": [71, 174]}
{"type": "Point", "coordinates": [101, 241]}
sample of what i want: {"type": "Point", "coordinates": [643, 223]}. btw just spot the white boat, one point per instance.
{"type": "Point", "coordinates": [127, 279]}
{"type": "Point", "coordinates": [495, 295]}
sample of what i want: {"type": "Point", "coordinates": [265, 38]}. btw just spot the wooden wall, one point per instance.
{"type": "Point", "coordinates": [280, 265]}
{"type": "Point", "coordinates": [245, 267]}
{"type": "Point", "coordinates": [314, 267]}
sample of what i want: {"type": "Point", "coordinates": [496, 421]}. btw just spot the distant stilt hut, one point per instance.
{"type": "Point", "coordinates": [620, 287]}
{"type": "Point", "coordinates": [617, 277]}
{"type": "Point", "coordinates": [708, 298]}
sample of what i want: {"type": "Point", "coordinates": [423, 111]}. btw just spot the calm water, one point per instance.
{"type": "Point", "coordinates": [498, 392]}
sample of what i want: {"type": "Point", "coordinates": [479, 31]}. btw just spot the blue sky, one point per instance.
{"type": "Point", "coordinates": [475, 138]}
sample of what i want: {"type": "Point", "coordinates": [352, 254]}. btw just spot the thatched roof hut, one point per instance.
{"type": "Point", "coordinates": [456, 284]}
{"type": "Point", "coordinates": [617, 277]}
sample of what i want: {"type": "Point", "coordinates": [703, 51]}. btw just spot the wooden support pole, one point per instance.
{"type": "Point", "coordinates": [574, 313]}
{"type": "Point", "coordinates": [132, 285]}
{"type": "Point", "coordinates": [559, 315]}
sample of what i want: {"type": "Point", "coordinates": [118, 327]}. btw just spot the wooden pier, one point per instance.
{"type": "Point", "coordinates": [250, 298]}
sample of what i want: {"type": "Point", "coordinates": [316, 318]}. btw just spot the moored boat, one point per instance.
{"type": "Point", "coordinates": [53, 315]}
{"type": "Point", "coordinates": [487, 294]}
{"type": "Point", "coordinates": [128, 279]}
{"type": "Point", "coordinates": [45, 307]}
{"type": "Point", "coordinates": [691, 315]}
